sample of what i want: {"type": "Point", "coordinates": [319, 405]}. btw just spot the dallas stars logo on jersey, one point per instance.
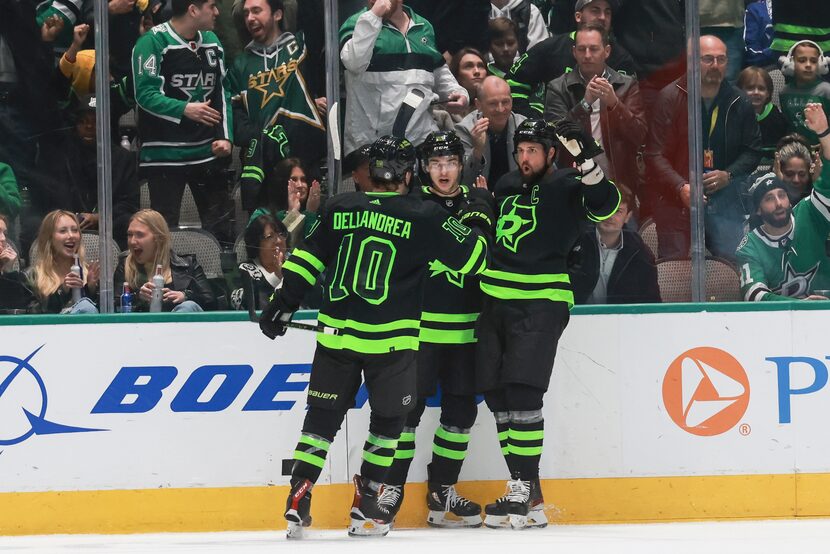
{"type": "Point", "coordinates": [436, 268]}
{"type": "Point", "coordinates": [795, 284]}
{"type": "Point", "coordinates": [516, 221]}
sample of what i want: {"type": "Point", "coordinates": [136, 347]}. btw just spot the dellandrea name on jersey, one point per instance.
{"type": "Point", "coordinates": [371, 220]}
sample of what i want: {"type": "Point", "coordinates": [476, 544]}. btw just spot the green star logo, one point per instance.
{"type": "Point", "coordinates": [199, 93]}
{"type": "Point", "coordinates": [516, 221]}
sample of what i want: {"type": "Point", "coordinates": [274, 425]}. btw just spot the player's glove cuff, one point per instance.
{"type": "Point", "coordinates": [274, 317]}
{"type": "Point", "coordinates": [591, 172]}
{"type": "Point", "coordinates": [476, 218]}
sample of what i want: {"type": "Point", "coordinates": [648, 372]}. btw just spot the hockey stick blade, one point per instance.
{"type": "Point", "coordinates": [411, 102]}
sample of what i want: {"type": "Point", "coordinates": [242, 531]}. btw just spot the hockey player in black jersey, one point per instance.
{"type": "Point", "coordinates": [528, 296]}
{"type": "Point", "coordinates": [447, 353]}
{"type": "Point", "coordinates": [375, 248]}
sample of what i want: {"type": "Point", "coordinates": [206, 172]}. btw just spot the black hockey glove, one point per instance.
{"type": "Point", "coordinates": [581, 145]}
{"type": "Point", "coordinates": [274, 317]}
{"type": "Point", "coordinates": [478, 213]}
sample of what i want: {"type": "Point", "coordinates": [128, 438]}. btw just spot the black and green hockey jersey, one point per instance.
{"type": "Point", "coordinates": [538, 226]}
{"type": "Point", "coordinates": [796, 264]}
{"type": "Point", "coordinates": [452, 301]}
{"type": "Point", "coordinates": [272, 90]}
{"type": "Point", "coordinates": [375, 249]}
{"type": "Point", "coordinates": [168, 73]}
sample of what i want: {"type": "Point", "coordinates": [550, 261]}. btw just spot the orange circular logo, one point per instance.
{"type": "Point", "coordinates": [706, 391]}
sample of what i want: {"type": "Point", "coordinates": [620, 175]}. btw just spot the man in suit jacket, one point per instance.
{"type": "Point", "coordinates": [487, 133]}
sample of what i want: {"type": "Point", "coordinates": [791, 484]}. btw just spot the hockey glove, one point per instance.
{"type": "Point", "coordinates": [582, 146]}
{"type": "Point", "coordinates": [274, 317]}
{"type": "Point", "coordinates": [478, 213]}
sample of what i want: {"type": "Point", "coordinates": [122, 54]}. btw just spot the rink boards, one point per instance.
{"type": "Point", "coordinates": [110, 424]}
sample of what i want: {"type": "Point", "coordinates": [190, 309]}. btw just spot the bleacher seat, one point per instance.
{"type": "Point", "coordinates": [648, 232]}
{"type": "Point", "coordinates": [188, 214]}
{"type": "Point", "coordinates": [239, 248]}
{"type": "Point", "coordinates": [777, 84]}
{"type": "Point", "coordinates": [201, 244]}
{"type": "Point", "coordinates": [675, 280]}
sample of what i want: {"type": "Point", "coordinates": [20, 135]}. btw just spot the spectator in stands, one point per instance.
{"type": "Point", "coordinates": [9, 193]}
{"type": "Point", "coordinates": [487, 133]}
{"type": "Point", "coordinates": [732, 150]}
{"type": "Point", "coordinates": [15, 296]}
{"type": "Point", "coordinates": [604, 102]}
{"type": "Point", "coordinates": [469, 68]}
{"type": "Point", "coordinates": [757, 84]}
{"type": "Point", "coordinates": [784, 257]}
{"type": "Point", "coordinates": [554, 56]}
{"type": "Point", "coordinates": [758, 34]}
{"type": "Point", "coordinates": [805, 65]}
{"type": "Point", "coordinates": [50, 278]}
{"type": "Point", "coordinates": [616, 265]}
{"type": "Point", "coordinates": [457, 24]}
{"type": "Point", "coordinates": [266, 245]}
{"type": "Point", "coordinates": [654, 35]}
{"type": "Point", "coordinates": [289, 198]}
{"type": "Point", "coordinates": [393, 72]}
{"type": "Point", "coordinates": [27, 103]}
{"type": "Point", "coordinates": [526, 16]}
{"type": "Point", "coordinates": [184, 116]}
{"type": "Point", "coordinates": [186, 288]}
{"type": "Point", "coordinates": [356, 164]}
{"type": "Point", "coordinates": [503, 47]}
{"type": "Point", "coordinates": [725, 19]}
{"type": "Point", "coordinates": [270, 78]}
{"type": "Point", "coordinates": [68, 176]}
{"type": "Point", "coordinates": [796, 166]}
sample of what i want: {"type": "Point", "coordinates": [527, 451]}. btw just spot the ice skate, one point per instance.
{"type": "Point", "coordinates": [369, 517]}
{"type": "Point", "coordinates": [391, 498]}
{"type": "Point", "coordinates": [298, 508]}
{"type": "Point", "coordinates": [521, 507]}
{"type": "Point", "coordinates": [449, 509]}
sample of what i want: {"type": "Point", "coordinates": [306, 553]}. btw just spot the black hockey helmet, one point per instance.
{"type": "Point", "coordinates": [390, 158]}
{"type": "Point", "coordinates": [441, 143]}
{"type": "Point", "coordinates": [535, 130]}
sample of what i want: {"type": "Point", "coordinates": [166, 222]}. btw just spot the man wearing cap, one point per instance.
{"type": "Point", "coordinates": [784, 256]}
{"type": "Point", "coordinates": [554, 56]}
{"type": "Point", "coordinates": [67, 177]}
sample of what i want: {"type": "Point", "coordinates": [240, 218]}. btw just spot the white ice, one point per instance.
{"type": "Point", "coordinates": [779, 536]}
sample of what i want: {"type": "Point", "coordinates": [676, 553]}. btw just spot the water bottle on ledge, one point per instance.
{"type": "Point", "coordinates": [158, 284]}
{"type": "Point", "coordinates": [126, 299]}
{"type": "Point", "coordinates": [77, 293]}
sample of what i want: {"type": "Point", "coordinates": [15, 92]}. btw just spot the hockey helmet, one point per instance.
{"type": "Point", "coordinates": [390, 158]}
{"type": "Point", "coordinates": [535, 130]}
{"type": "Point", "coordinates": [441, 143]}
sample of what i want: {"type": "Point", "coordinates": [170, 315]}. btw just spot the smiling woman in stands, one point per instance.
{"type": "Point", "coordinates": [59, 284]}
{"type": "Point", "coordinates": [186, 288]}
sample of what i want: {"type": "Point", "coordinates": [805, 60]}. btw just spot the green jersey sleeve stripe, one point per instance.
{"type": "Point", "coordinates": [368, 327]}
{"type": "Point", "coordinates": [310, 258]}
{"type": "Point", "coordinates": [479, 253]}
{"type": "Point", "coordinates": [299, 270]}
{"type": "Point", "coordinates": [448, 318]}
{"type": "Point", "coordinates": [527, 278]}
{"type": "Point", "coordinates": [506, 293]}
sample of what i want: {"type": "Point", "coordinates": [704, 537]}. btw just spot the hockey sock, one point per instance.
{"type": "Point", "coordinates": [524, 442]}
{"type": "Point", "coordinates": [403, 457]}
{"type": "Point", "coordinates": [310, 457]}
{"type": "Point", "coordinates": [503, 429]}
{"type": "Point", "coordinates": [449, 448]}
{"type": "Point", "coordinates": [378, 454]}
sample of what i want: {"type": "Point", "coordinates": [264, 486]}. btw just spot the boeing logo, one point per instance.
{"type": "Point", "coordinates": [23, 402]}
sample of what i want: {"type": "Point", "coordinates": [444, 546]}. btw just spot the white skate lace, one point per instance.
{"type": "Point", "coordinates": [453, 498]}
{"type": "Point", "coordinates": [517, 491]}
{"type": "Point", "coordinates": [389, 497]}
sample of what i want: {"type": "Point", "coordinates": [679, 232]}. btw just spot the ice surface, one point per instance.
{"type": "Point", "coordinates": [802, 536]}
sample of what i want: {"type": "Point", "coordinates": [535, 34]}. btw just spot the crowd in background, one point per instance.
{"type": "Point", "coordinates": [220, 105]}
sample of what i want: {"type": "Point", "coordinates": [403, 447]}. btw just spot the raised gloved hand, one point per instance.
{"type": "Point", "coordinates": [274, 317]}
{"type": "Point", "coordinates": [580, 144]}
{"type": "Point", "coordinates": [478, 213]}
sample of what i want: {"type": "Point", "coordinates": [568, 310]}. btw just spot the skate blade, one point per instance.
{"type": "Point", "coordinates": [294, 531]}
{"type": "Point", "coordinates": [448, 520]}
{"type": "Point", "coordinates": [368, 528]}
{"type": "Point", "coordinates": [536, 519]}
{"type": "Point", "coordinates": [496, 522]}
